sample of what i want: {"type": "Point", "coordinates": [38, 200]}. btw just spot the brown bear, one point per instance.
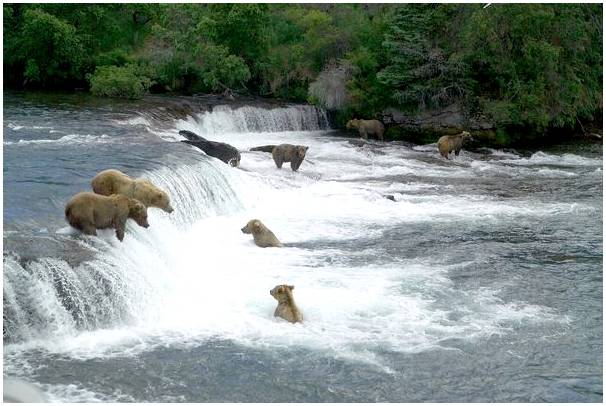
{"type": "Point", "coordinates": [287, 309]}
{"type": "Point", "coordinates": [367, 127]}
{"type": "Point", "coordinates": [112, 181]}
{"type": "Point", "coordinates": [449, 143]}
{"type": "Point", "coordinates": [88, 211]}
{"type": "Point", "coordinates": [262, 235]}
{"type": "Point", "coordinates": [295, 154]}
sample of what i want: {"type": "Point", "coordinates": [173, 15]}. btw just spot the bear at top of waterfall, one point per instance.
{"type": "Point", "coordinates": [295, 154]}
{"type": "Point", "coordinates": [449, 143]}
{"type": "Point", "coordinates": [112, 181]}
{"type": "Point", "coordinates": [262, 235]}
{"type": "Point", "coordinates": [220, 150]}
{"type": "Point", "coordinates": [286, 309]}
{"type": "Point", "coordinates": [367, 127]}
{"type": "Point", "coordinates": [88, 212]}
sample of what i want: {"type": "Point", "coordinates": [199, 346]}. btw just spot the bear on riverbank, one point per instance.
{"type": "Point", "coordinates": [287, 309]}
{"type": "Point", "coordinates": [112, 181]}
{"type": "Point", "coordinates": [367, 127]}
{"type": "Point", "coordinates": [449, 143]}
{"type": "Point", "coordinates": [262, 235]}
{"type": "Point", "coordinates": [88, 212]}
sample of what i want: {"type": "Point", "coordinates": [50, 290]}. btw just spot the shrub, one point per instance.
{"type": "Point", "coordinates": [126, 82]}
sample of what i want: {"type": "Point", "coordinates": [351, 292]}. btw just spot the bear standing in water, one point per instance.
{"type": "Point", "coordinates": [112, 181]}
{"type": "Point", "coordinates": [295, 154]}
{"type": "Point", "coordinates": [262, 235]}
{"type": "Point", "coordinates": [449, 143]}
{"type": "Point", "coordinates": [88, 211]}
{"type": "Point", "coordinates": [367, 127]}
{"type": "Point", "coordinates": [287, 309]}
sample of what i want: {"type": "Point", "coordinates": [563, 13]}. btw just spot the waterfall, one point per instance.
{"type": "Point", "coordinates": [249, 119]}
{"type": "Point", "coordinates": [82, 283]}
{"type": "Point", "coordinates": [50, 297]}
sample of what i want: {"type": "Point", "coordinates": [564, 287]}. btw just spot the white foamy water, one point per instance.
{"type": "Point", "coordinates": [193, 276]}
{"type": "Point", "coordinates": [66, 139]}
{"type": "Point", "coordinates": [542, 158]}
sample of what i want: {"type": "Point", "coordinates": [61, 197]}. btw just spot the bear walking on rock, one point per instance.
{"type": "Point", "coordinates": [367, 127]}
{"type": "Point", "coordinates": [88, 212]}
{"type": "Point", "coordinates": [262, 235]}
{"type": "Point", "coordinates": [449, 143]}
{"type": "Point", "coordinates": [112, 181]}
{"type": "Point", "coordinates": [287, 309]}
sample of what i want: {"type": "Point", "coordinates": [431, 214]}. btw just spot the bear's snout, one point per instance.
{"type": "Point", "coordinates": [169, 209]}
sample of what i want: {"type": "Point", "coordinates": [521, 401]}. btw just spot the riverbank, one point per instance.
{"type": "Point", "coordinates": [424, 129]}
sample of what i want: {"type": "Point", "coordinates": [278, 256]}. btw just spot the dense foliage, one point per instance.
{"type": "Point", "coordinates": [522, 66]}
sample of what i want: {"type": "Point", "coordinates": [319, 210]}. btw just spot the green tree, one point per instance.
{"type": "Point", "coordinates": [52, 52]}
{"type": "Point", "coordinates": [422, 70]}
{"type": "Point", "coordinates": [536, 66]}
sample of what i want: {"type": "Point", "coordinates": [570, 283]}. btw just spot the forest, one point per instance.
{"type": "Point", "coordinates": [532, 69]}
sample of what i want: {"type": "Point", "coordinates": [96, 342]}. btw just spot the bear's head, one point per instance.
{"type": "Point", "coordinates": [352, 124]}
{"type": "Point", "coordinates": [282, 293]}
{"type": "Point", "coordinates": [301, 151]}
{"type": "Point", "coordinates": [138, 212]}
{"type": "Point", "coordinates": [252, 227]}
{"type": "Point", "coordinates": [235, 162]}
{"type": "Point", "coordinates": [466, 136]}
{"type": "Point", "coordinates": [160, 199]}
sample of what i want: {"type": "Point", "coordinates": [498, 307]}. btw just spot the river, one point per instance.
{"type": "Point", "coordinates": [481, 282]}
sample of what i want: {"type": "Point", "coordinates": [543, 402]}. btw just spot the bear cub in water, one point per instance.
{"type": "Point", "coordinates": [262, 235]}
{"type": "Point", "coordinates": [112, 181]}
{"type": "Point", "coordinates": [287, 309]}
{"type": "Point", "coordinates": [88, 212]}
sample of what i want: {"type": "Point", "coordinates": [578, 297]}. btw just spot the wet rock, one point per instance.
{"type": "Point", "coordinates": [428, 125]}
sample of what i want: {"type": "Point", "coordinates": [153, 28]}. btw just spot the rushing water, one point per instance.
{"type": "Point", "coordinates": [482, 281]}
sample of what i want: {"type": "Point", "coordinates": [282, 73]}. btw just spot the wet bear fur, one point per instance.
{"type": "Point", "coordinates": [262, 235]}
{"type": "Point", "coordinates": [219, 150]}
{"type": "Point", "coordinates": [88, 212]}
{"type": "Point", "coordinates": [287, 308]}
{"type": "Point", "coordinates": [449, 143]}
{"type": "Point", "coordinates": [367, 127]}
{"type": "Point", "coordinates": [264, 148]}
{"type": "Point", "coordinates": [112, 181]}
{"type": "Point", "coordinates": [295, 154]}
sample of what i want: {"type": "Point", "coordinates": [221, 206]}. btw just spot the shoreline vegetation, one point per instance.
{"type": "Point", "coordinates": [514, 75]}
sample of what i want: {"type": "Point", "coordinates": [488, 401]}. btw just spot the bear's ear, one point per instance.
{"type": "Point", "coordinates": [257, 224]}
